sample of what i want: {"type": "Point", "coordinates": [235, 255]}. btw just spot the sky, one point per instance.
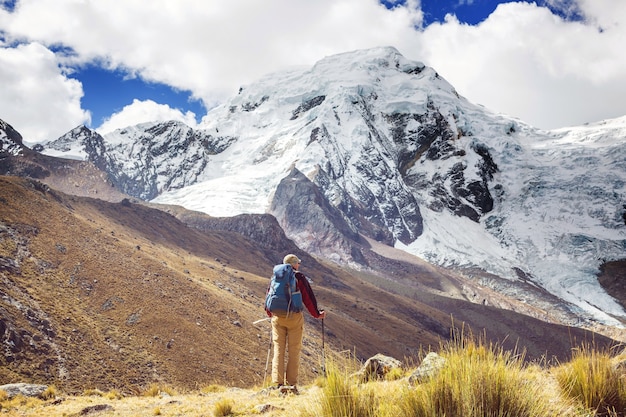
{"type": "Point", "coordinates": [109, 64]}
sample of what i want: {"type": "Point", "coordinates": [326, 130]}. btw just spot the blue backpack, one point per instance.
{"type": "Point", "coordinates": [283, 296]}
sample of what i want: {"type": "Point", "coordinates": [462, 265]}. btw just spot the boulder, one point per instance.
{"type": "Point", "coordinates": [377, 367]}
{"type": "Point", "coordinates": [429, 367]}
{"type": "Point", "coordinates": [27, 390]}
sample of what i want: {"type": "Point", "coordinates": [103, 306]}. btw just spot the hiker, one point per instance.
{"type": "Point", "coordinates": [284, 304]}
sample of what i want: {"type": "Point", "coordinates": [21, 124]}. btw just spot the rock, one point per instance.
{"type": "Point", "coordinates": [264, 408]}
{"type": "Point", "coordinates": [27, 390]}
{"type": "Point", "coordinates": [377, 367]}
{"type": "Point", "coordinates": [429, 367]}
{"type": "Point", "coordinates": [94, 409]}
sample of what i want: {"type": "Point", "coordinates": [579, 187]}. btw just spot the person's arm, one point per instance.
{"type": "Point", "coordinates": [308, 297]}
{"type": "Point", "coordinates": [269, 313]}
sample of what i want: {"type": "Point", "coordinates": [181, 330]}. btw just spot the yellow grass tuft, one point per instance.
{"type": "Point", "coordinates": [154, 390]}
{"type": "Point", "coordinates": [223, 408]}
{"type": "Point", "coordinates": [213, 388]}
{"type": "Point", "coordinates": [21, 402]}
{"type": "Point", "coordinates": [395, 374]}
{"type": "Point", "coordinates": [49, 394]}
{"type": "Point", "coordinates": [342, 396]}
{"type": "Point", "coordinates": [592, 379]}
{"type": "Point", "coordinates": [113, 395]}
{"type": "Point", "coordinates": [478, 379]}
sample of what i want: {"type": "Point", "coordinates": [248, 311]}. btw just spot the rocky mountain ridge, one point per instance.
{"type": "Point", "coordinates": [10, 140]}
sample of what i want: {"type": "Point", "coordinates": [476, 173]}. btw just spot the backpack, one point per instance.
{"type": "Point", "coordinates": [283, 296]}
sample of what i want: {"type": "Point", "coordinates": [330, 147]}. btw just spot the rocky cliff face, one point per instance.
{"type": "Point", "coordinates": [10, 140]}
{"type": "Point", "coordinates": [147, 160]}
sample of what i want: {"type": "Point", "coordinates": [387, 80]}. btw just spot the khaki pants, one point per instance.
{"type": "Point", "coordinates": [287, 334]}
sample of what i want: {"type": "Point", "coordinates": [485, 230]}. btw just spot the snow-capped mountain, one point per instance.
{"type": "Point", "coordinates": [143, 160]}
{"type": "Point", "coordinates": [370, 144]}
{"type": "Point", "coordinates": [10, 140]}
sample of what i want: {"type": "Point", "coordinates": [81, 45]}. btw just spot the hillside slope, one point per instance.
{"type": "Point", "coordinates": [117, 295]}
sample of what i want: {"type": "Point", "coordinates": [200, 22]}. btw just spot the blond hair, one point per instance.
{"type": "Point", "coordinates": [291, 259]}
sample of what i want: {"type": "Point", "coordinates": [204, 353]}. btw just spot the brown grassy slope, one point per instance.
{"type": "Point", "coordinates": [129, 295]}
{"type": "Point", "coordinates": [117, 295]}
{"type": "Point", "coordinates": [123, 306]}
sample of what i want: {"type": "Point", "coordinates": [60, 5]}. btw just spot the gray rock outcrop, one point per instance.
{"type": "Point", "coordinates": [27, 390]}
{"type": "Point", "coordinates": [429, 367]}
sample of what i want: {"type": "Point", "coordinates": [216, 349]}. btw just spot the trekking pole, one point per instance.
{"type": "Point", "coordinates": [269, 348]}
{"type": "Point", "coordinates": [267, 360]}
{"type": "Point", "coordinates": [323, 351]}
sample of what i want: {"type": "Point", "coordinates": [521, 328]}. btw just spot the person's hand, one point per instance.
{"type": "Point", "coordinates": [322, 315]}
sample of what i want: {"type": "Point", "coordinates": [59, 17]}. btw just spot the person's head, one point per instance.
{"type": "Point", "coordinates": [292, 260]}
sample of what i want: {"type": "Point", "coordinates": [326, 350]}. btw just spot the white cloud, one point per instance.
{"type": "Point", "coordinates": [522, 60]}
{"type": "Point", "coordinates": [209, 47]}
{"type": "Point", "coordinates": [36, 98]}
{"type": "Point", "coordinates": [145, 111]}
{"type": "Point", "coordinates": [528, 63]}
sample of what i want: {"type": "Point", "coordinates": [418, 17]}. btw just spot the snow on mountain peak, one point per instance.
{"type": "Point", "coordinates": [10, 140]}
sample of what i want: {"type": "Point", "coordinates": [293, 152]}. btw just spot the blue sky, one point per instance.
{"type": "Point", "coordinates": [108, 91]}
{"type": "Point", "coordinates": [110, 64]}
{"type": "Point", "coordinates": [475, 11]}
{"type": "Point", "coordinates": [471, 12]}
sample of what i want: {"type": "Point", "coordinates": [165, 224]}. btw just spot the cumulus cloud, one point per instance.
{"type": "Point", "coordinates": [529, 63]}
{"type": "Point", "coordinates": [208, 47]}
{"type": "Point", "coordinates": [523, 60]}
{"type": "Point", "coordinates": [145, 111]}
{"type": "Point", "coordinates": [36, 98]}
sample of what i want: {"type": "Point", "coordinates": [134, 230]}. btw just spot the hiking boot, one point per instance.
{"type": "Point", "coordinates": [289, 389]}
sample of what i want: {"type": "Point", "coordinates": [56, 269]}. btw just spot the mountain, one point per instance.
{"type": "Point", "coordinates": [368, 147]}
{"type": "Point", "coordinates": [142, 255]}
{"type": "Point", "coordinates": [10, 140]}
{"type": "Point", "coordinates": [144, 160]}
{"type": "Point", "coordinates": [70, 175]}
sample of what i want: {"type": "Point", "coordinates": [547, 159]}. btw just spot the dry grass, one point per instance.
{"type": "Point", "coordinates": [479, 379]}
{"type": "Point", "coordinates": [341, 396]}
{"type": "Point", "coordinates": [239, 402]}
{"type": "Point", "coordinates": [223, 407]}
{"type": "Point", "coordinates": [154, 390]}
{"type": "Point", "coordinates": [596, 380]}
{"type": "Point", "coordinates": [482, 379]}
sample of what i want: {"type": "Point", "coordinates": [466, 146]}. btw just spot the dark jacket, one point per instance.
{"type": "Point", "coordinates": [308, 298]}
